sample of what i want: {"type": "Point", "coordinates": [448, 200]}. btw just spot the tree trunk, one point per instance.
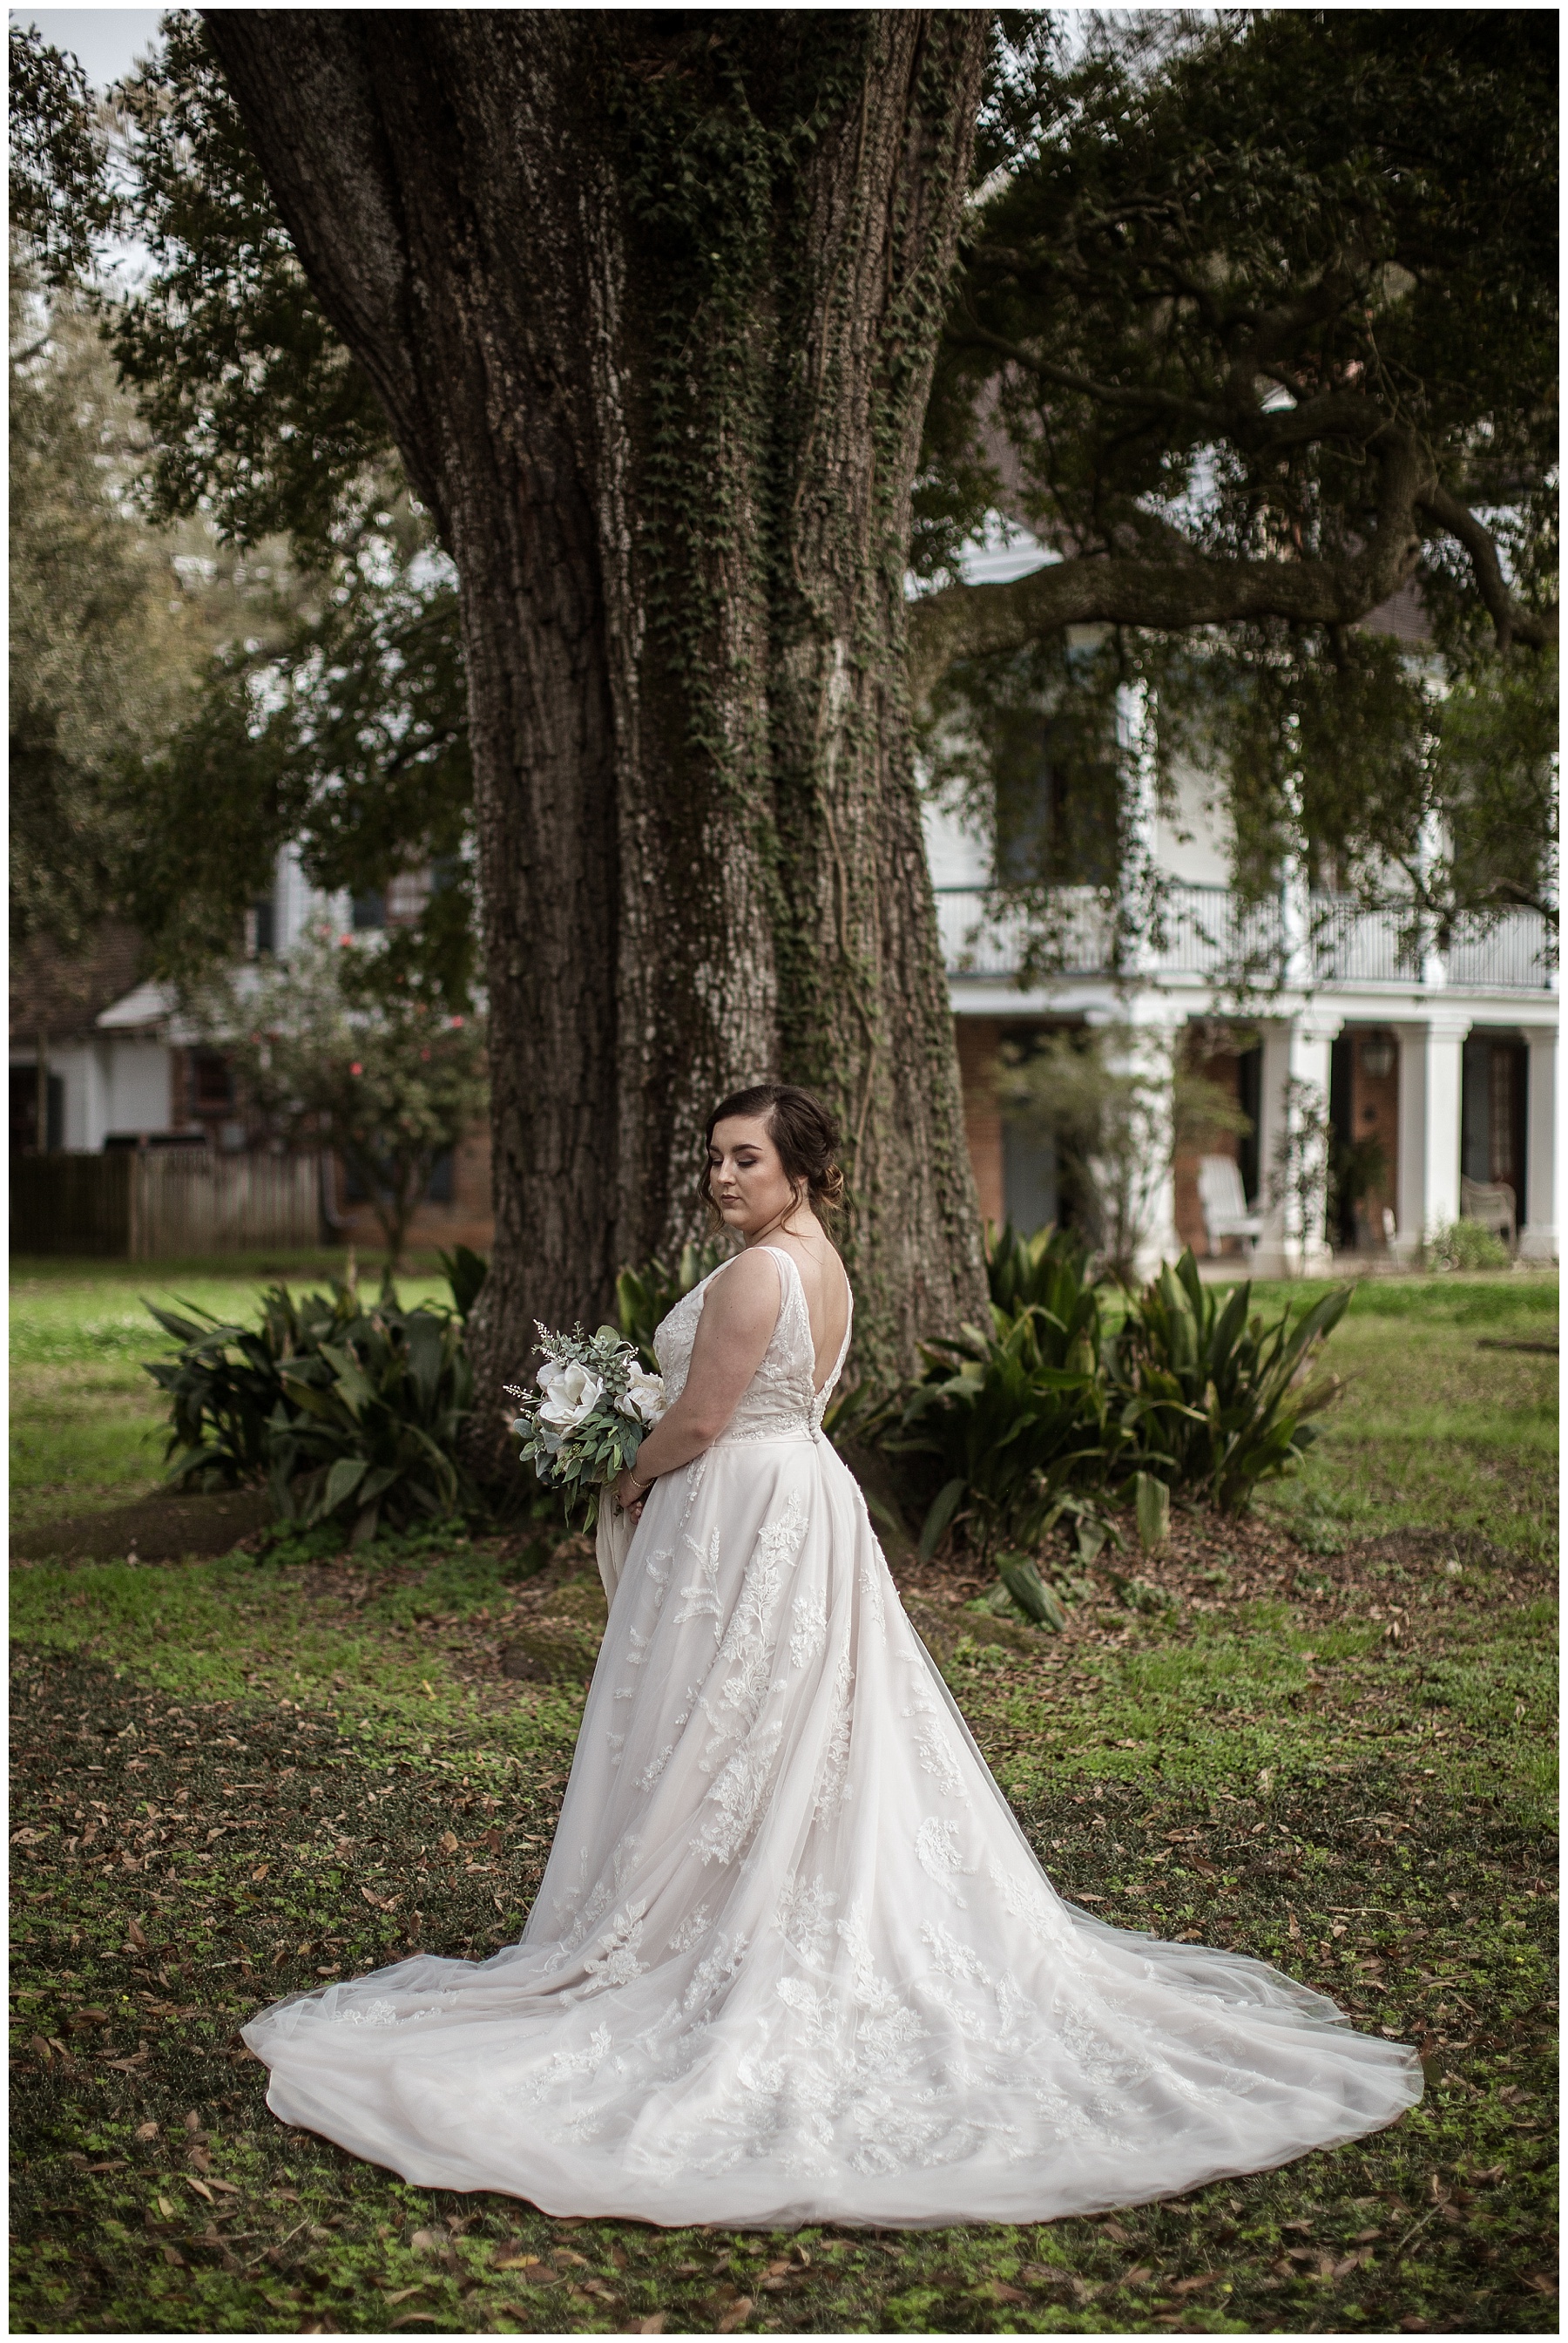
{"type": "Point", "coordinates": [651, 301]}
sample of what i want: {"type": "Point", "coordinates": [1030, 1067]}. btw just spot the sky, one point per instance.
{"type": "Point", "coordinates": [106, 42]}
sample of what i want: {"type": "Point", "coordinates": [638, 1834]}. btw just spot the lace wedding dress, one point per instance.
{"type": "Point", "coordinates": [792, 1958]}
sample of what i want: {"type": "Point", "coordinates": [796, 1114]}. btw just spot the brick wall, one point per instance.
{"type": "Point", "coordinates": [978, 1042]}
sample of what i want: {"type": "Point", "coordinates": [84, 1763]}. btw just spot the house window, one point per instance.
{"type": "Point", "coordinates": [1028, 1178]}
{"type": "Point", "coordinates": [212, 1083]}
{"type": "Point", "coordinates": [261, 928]}
{"type": "Point", "coordinates": [1249, 1099]}
{"type": "Point", "coordinates": [1492, 1142]}
{"type": "Point", "coordinates": [369, 910]}
{"type": "Point", "coordinates": [1057, 802]}
{"type": "Point", "coordinates": [407, 896]}
{"type": "Point", "coordinates": [24, 1111]}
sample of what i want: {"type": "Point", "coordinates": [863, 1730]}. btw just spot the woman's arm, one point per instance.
{"type": "Point", "coordinates": [739, 1312]}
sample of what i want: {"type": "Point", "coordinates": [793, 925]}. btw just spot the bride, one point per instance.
{"type": "Point", "coordinates": [792, 1959]}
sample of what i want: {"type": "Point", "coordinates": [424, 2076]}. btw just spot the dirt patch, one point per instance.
{"type": "Point", "coordinates": [153, 1529]}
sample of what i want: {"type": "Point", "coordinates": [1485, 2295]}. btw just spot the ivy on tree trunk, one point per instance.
{"type": "Point", "coordinates": [651, 303]}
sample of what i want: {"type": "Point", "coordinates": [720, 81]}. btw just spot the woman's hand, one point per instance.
{"type": "Point", "coordinates": [629, 1496]}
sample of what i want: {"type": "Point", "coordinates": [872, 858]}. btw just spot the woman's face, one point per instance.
{"type": "Point", "coordinates": [746, 1179]}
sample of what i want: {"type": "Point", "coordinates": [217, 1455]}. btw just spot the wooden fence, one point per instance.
{"type": "Point", "coordinates": [149, 1205]}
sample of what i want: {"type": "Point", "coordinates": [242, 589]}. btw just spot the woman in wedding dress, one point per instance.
{"type": "Point", "coordinates": [792, 1958]}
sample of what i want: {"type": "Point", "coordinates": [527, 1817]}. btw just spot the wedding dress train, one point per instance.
{"type": "Point", "coordinates": [792, 1958]}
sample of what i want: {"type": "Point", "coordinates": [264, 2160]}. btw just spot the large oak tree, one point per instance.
{"type": "Point", "coordinates": [651, 302]}
{"type": "Point", "coordinates": [1254, 325]}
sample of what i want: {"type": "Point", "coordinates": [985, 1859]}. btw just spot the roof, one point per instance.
{"type": "Point", "coordinates": [62, 994]}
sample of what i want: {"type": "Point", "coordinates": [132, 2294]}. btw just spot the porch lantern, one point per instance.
{"type": "Point", "coordinates": [1378, 1056]}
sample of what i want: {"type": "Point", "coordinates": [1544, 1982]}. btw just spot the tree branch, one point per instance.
{"type": "Point", "coordinates": [1512, 620]}
{"type": "Point", "coordinates": [319, 127]}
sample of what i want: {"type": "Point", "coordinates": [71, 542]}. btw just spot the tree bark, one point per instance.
{"type": "Point", "coordinates": [651, 302]}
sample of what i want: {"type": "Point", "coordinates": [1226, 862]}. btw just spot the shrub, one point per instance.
{"type": "Point", "coordinates": [1046, 1269]}
{"type": "Point", "coordinates": [358, 1046]}
{"type": "Point", "coordinates": [1467, 1245]}
{"type": "Point", "coordinates": [1213, 1400]}
{"type": "Point", "coordinates": [1011, 1423]}
{"type": "Point", "coordinates": [347, 1411]}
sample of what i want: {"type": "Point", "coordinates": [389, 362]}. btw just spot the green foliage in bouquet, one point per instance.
{"type": "Point", "coordinates": [1212, 1399]}
{"type": "Point", "coordinates": [645, 1296]}
{"type": "Point", "coordinates": [583, 1424]}
{"type": "Point", "coordinates": [349, 1412]}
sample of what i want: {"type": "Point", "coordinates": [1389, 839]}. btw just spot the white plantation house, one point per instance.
{"type": "Point", "coordinates": [1447, 1063]}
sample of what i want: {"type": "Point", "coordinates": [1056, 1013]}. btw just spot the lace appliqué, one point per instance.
{"type": "Point", "coordinates": [940, 1857]}
{"type": "Point", "coordinates": [810, 1614]}
{"type": "Point", "coordinates": [834, 1787]}
{"type": "Point", "coordinates": [375, 2012]}
{"type": "Point", "coordinates": [701, 1601]}
{"type": "Point", "coordinates": [736, 1797]}
{"type": "Point", "coordinates": [801, 1918]}
{"type": "Point", "coordinates": [616, 1962]}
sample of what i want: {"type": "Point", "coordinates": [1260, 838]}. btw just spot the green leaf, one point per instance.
{"type": "Point", "coordinates": [945, 1506]}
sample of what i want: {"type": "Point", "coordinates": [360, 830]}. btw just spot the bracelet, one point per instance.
{"type": "Point", "coordinates": [642, 1487]}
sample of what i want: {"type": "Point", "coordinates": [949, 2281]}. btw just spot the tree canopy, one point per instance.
{"type": "Point", "coordinates": [1255, 327]}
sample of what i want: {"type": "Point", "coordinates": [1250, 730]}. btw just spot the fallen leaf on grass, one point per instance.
{"type": "Point", "coordinates": [135, 1936]}
{"type": "Point", "coordinates": [147, 2131]}
{"type": "Point", "coordinates": [201, 2187]}
{"type": "Point", "coordinates": [736, 2316]}
{"type": "Point", "coordinates": [654, 2326]}
{"type": "Point", "coordinates": [999, 2292]}
{"type": "Point", "coordinates": [404, 2291]}
{"type": "Point", "coordinates": [518, 2261]}
{"type": "Point", "coordinates": [1194, 2285]}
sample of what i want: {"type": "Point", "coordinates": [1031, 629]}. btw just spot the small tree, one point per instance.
{"type": "Point", "coordinates": [1119, 1101]}
{"type": "Point", "coordinates": [349, 1042]}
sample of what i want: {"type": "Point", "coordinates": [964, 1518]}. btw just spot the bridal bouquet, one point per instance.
{"type": "Point", "coordinates": [595, 1404]}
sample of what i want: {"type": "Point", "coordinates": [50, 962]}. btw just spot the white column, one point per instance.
{"type": "Point", "coordinates": [1269, 1255]}
{"type": "Point", "coordinates": [1292, 1143]}
{"type": "Point", "coordinates": [1312, 1037]}
{"type": "Point", "coordinates": [1538, 1237]}
{"type": "Point", "coordinates": [1147, 1033]}
{"type": "Point", "coordinates": [1431, 1097]}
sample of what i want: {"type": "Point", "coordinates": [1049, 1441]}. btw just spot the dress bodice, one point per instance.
{"type": "Point", "coordinates": [780, 1402]}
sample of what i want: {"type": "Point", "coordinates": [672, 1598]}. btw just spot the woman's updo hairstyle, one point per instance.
{"type": "Point", "coordinates": [801, 1128]}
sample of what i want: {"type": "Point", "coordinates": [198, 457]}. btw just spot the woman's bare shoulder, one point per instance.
{"type": "Point", "coordinates": [746, 1291]}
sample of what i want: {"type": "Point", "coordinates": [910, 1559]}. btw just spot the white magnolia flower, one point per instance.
{"type": "Point", "coordinates": [571, 1394]}
{"type": "Point", "coordinates": [644, 1396]}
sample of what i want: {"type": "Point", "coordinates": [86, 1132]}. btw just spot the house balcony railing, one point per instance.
{"type": "Point", "coordinates": [1206, 933]}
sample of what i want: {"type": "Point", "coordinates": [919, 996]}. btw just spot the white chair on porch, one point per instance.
{"type": "Point", "coordinates": [1494, 1206]}
{"type": "Point", "coordinates": [1224, 1202]}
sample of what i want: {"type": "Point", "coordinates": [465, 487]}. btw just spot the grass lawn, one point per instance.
{"type": "Point", "coordinates": [1322, 1734]}
{"type": "Point", "coordinates": [86, 1428]}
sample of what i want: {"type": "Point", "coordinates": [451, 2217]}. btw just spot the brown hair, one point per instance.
{"type": "Point", "coordinates": [801, 1128]}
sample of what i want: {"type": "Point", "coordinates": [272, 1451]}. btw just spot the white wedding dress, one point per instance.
{"type": "Point", "coordinates": [792, 1958]}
